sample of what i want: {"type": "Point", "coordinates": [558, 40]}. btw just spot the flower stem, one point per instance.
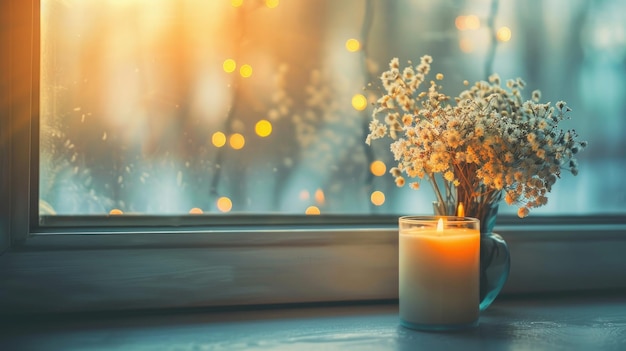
{"type": "Point", "coordinates": [442, 204]}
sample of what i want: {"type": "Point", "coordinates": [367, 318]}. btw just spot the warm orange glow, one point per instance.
{"type": "Point", "coordinates": [236, 3]}
{"type": "Point", "coordinates": [229, 65]}
{"type": "Point", "coordinates": [263, 128]}
{"type": "Point", "coordinates": [503, 34]}
{"type": "Point", "coordinates": [440, 225]}
{"type": "Point", "coordinates": [359, 102]}
{"type": "Point", "coordinates": [115, 211]}
{"type": "Point", "coordinates": [353, 45]}
{"type": "Point", "coordinates": [319, 196]}
{"type": "Point", "coordinates": [218, 139]}
{"type": "Point", "coordinates": [224, 204]}
{"type": "Point", "coordinates": [196, 210]}
{"type": "Point", "coordinates": [378, 168]}
{"type": "Point", "coordinates": [245, 71]}
{"type": "Point", "coordinates": [237, 141]}
{"type": "Point", "coordinates": [377, 198]}
{"type": "Point", "coordinates": [312, 210]}
{"type": "Point", "coordinates": [271, 3]}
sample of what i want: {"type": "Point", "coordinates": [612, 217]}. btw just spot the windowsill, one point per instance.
{"type": "Point", "coordinates": [583, 322]}
{"type": "Point", "coordinates": [112, 272]}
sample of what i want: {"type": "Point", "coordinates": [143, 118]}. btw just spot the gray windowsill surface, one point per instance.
{"type": "Point", "coordinates": [595, 322]}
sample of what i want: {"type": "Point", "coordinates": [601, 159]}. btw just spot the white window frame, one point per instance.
{"type": "Point", "coordinates": [180, 267]}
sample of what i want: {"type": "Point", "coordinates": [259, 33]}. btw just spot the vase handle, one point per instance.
{"type": "Point", "coordinates": [495, 264]}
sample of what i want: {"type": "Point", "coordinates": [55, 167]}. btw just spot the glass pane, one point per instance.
{"type": "Point", "coordinates": [170, 106]}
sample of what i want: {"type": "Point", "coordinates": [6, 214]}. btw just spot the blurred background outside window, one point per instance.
{"type": "Point", "coordinates": [164, 107]}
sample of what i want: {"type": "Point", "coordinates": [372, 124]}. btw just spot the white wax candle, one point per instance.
{"type": "Point", "coordinates": [439, 276]}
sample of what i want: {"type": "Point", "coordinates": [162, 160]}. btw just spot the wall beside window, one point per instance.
{"type": "Point", "coordinates": [16, 112]}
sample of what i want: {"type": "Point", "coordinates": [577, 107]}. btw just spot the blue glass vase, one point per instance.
{"type": "Point", "coordinates": [495, 260]}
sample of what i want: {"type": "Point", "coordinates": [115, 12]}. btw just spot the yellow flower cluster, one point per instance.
{"type": "Point", "coordinates": [483, 144]}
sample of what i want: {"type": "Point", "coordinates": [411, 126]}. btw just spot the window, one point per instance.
{"type": "Point", "coordinates": [258, 107]}
{"type": "Point", "coordinates": [119, 121]}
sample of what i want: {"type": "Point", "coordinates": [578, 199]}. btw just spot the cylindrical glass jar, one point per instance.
{"type": "Point", "coordinates": [439, 260]}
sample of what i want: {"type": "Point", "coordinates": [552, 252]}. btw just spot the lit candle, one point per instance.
{"type": "Point", "coordinates": [439, 272]}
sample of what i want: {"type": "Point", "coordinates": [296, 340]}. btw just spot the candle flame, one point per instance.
{"type": "Point", "coordinates": [461, 211]}
{"type": "Point", "coordinates": [440, 225]}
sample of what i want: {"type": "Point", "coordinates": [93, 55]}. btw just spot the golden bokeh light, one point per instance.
{"type": "Point", "coordinates": [359, 102]}
{"type": "Point", "coordinates": [263, 128]}
{"type": "Point", "coordinates": [472, 22]}
{"type": "Point", "coordinates": [224, 204]}
{"type": "Point", "coordinates": [319, 196]}
{"type": "Point", "coordinates": [377, 198]}
{"type": "Point", "coordinates": [218, 139]}
{"type": "Point", "coordinates": [229, 65]}
{"type": "Point", "coordinates": [304, 195]}
{"type": "Point", "coordinates": [312, 210]}
{"type": "Point", "coordinates": [116, 211]}
{"type": "Point", "coordinates": [459, 22]}
{"type": "Point", "coordinates": [245, 71]}
{"type": "Point", "coordinates": [469, 22]}
{"type": "Point", "coordinates": [236, 3]}
{"type": "Point", "coordinates": [503, 34]}
{"type": "Point", "coordinates": [272, 3]}
{"type": "Point", "coordinates": [195, 210]}
{"type": "Point", "coordinates": [237, 141]}
{"type": "Point", "coordinates": [378, 168]}
{"type": "Point", "coordinates": [353, 45]}
{"type": "Point", "coordinates": [466, 45]}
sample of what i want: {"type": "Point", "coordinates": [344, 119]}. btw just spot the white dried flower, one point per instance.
{"type": "Point", "coordinates": [487, 139]}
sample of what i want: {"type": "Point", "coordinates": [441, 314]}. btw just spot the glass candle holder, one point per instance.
{"type": "Point", "coordinates": [439, 260]}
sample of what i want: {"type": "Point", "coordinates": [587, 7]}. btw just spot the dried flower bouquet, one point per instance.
{"type": "Point", "coordinates": [478, 147]}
